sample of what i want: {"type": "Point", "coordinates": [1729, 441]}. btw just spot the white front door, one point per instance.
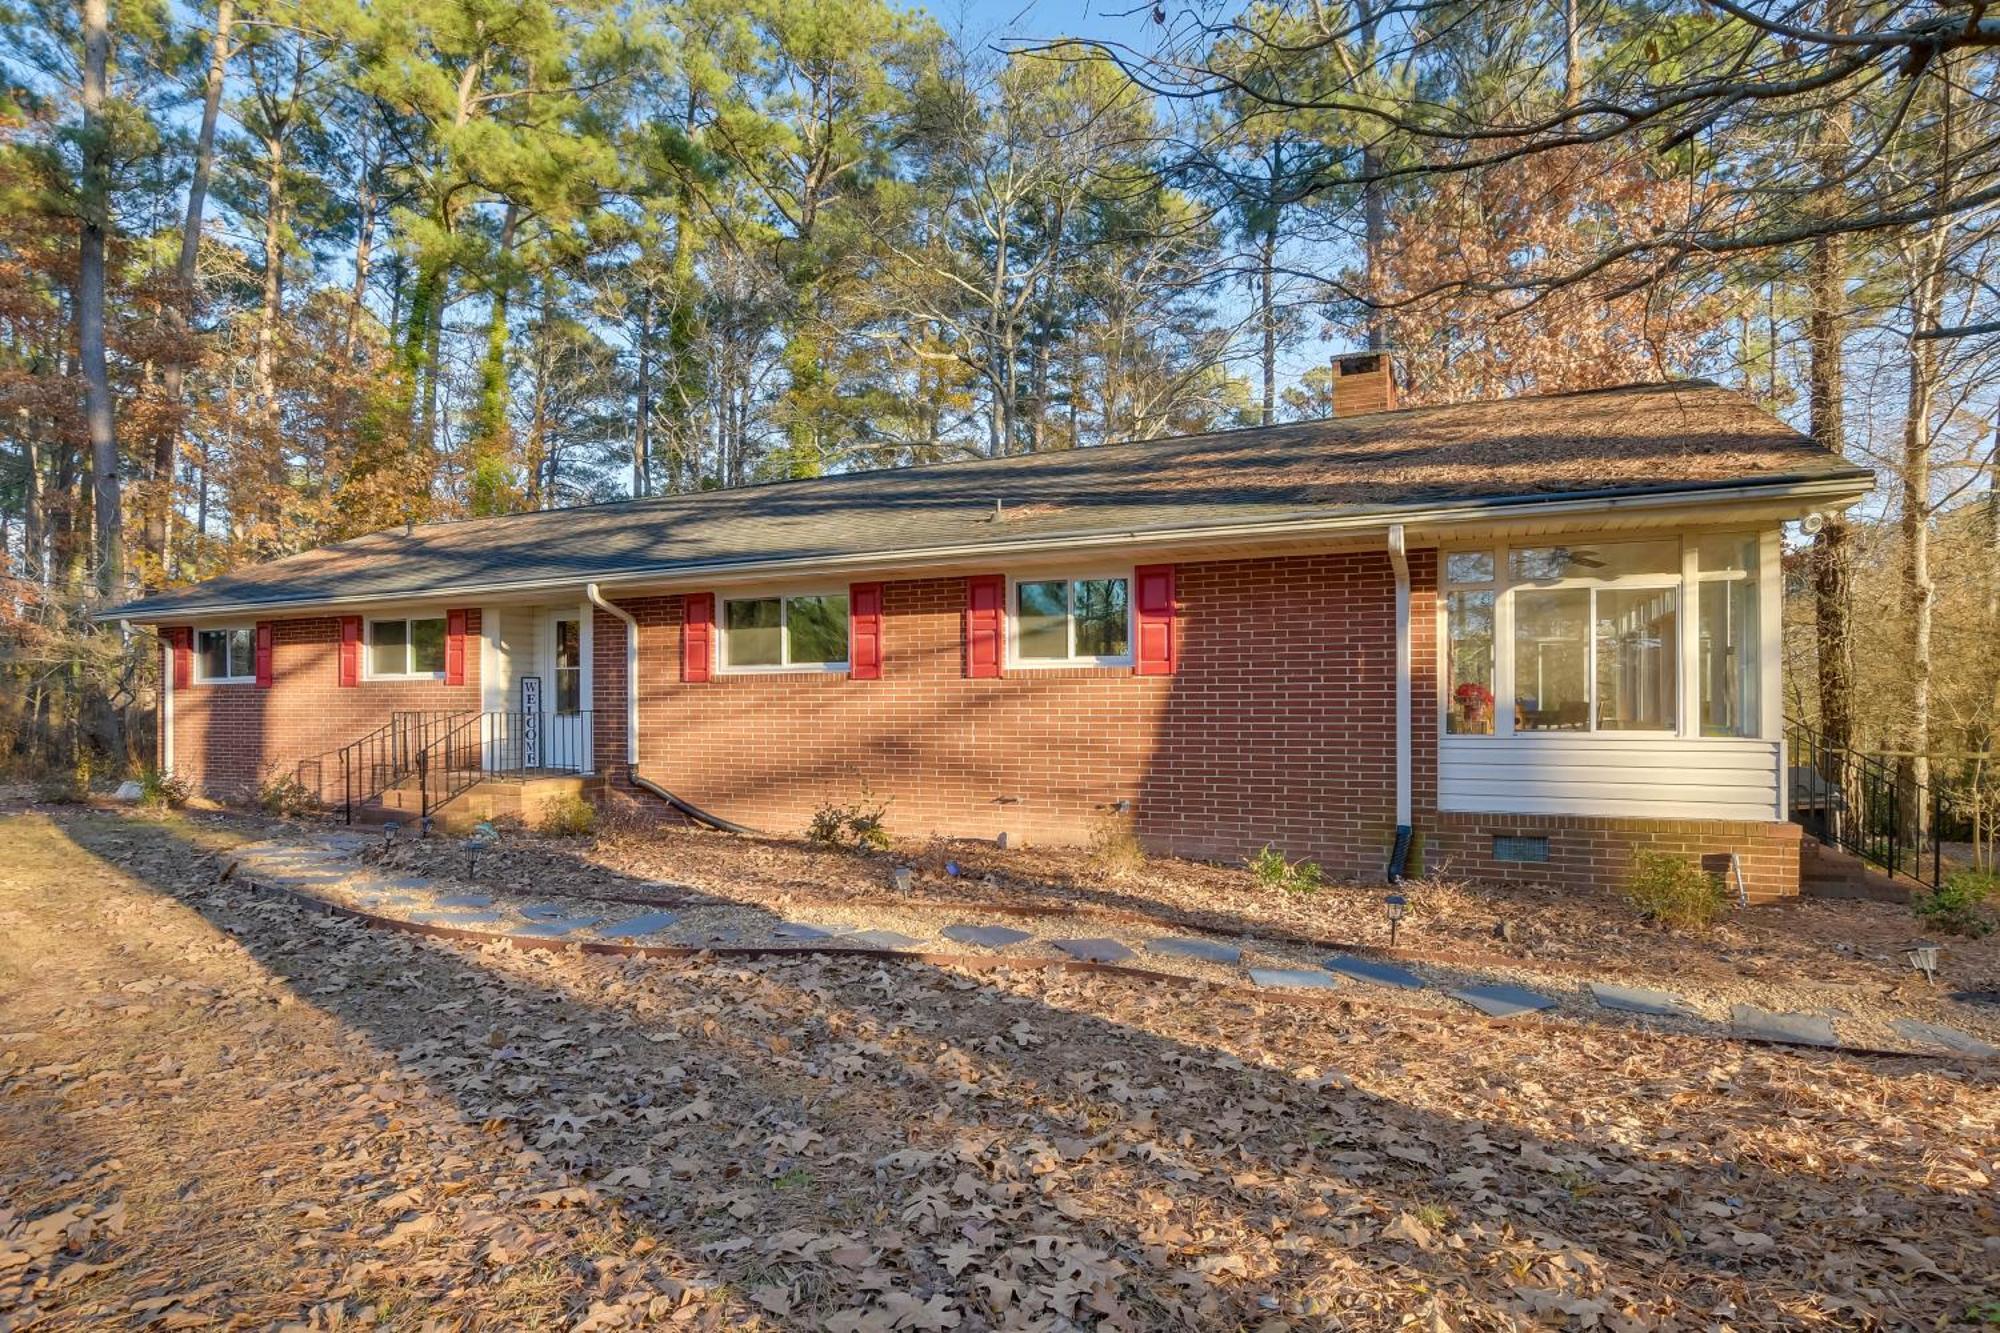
{"type": "Point", "coordinates": [565, 724]}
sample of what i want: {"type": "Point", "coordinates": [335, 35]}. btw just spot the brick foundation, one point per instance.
{"type": "Point", "coordinates": [1587, 853]}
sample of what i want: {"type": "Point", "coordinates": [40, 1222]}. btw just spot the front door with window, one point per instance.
{"type": "Point", "coordinates": [565, 725]}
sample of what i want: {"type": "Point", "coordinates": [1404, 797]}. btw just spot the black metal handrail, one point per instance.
{"type": "Point", "coordinates": [388, 755]}
{"type": "Point", "coordinates": [1867, 804]}
{"type": "Point", "coordinates": [504, 745]}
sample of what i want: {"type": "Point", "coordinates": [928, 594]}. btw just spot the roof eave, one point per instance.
{"type": "Point", "coordinates": [1836, 489]}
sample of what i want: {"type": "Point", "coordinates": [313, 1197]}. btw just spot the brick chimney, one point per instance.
{"type": "Point", "coordinates": [1362, 382]}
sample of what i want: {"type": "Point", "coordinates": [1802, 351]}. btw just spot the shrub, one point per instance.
{"type": "Point", "coordinates": [858, 824]}
{"type": "Point", "coordinates": [1273, 871]}
{"type": "Point", "coordinates": [161, 791]}
{"type": "Point", "coordinates": [567, 817]}
{"type": "Point", "coordinates": [285, 796]}
{"type": "Point", "coordinates": [1115, 854]}
{"type": "Point", "coordinates": [1674, 891]}
{"type": "Point", "coordinates": [1964, 904]}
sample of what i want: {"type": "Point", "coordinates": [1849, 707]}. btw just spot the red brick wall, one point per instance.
{"type": "Point", "coordinates": [1592, 852]}
{"type": "Point", "coordinates": [229, 738]}
{"type": "Point", "coordinates": [1277, 728]}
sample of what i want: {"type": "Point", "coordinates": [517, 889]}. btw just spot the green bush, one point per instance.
{"type": "Point", "coordinates": [1273, 871]}
{"type": "Point", "coordinates": [1674, 891]}
{"type": "Point", "coordinates": [567, 817]}
{"type": "Point", "coordinates": [1964, 904]}
{"type": "Point", "coordinates": [161, 791]}
{"type": "Point", "coordinates": [857, 825]}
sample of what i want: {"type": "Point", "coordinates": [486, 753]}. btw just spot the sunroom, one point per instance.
{"type": "Point", "coordinates": [1636, 675]}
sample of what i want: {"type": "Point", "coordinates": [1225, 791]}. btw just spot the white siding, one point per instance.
{"type": "Point", "coordinates": [1638, 778]}
{"type": "Point", "coordinates": [515, 639]}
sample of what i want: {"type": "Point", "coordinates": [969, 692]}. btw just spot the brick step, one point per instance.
{"type": "Point", "coordinates": [1827, 872]}
{"type": "Point", "coordinates": [500, 798]}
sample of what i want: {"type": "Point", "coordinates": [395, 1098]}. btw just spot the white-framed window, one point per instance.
{"type": "Point", "coordinates": [1079, 620]}
{"type": "Point", "coordinates": [785, 632]}
{"type": "Point", "coordinates": [225, 656]}
{"type": "Point", "coordinates": [409, 648]}
{"type": "Point", "coordinates": [1591, 636]}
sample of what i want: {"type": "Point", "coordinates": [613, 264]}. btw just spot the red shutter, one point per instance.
{"type": "Point", "coordinates": [454, 647]}
{"type": "Point", "coordinates": [180, 642]}
{"type": "Point", "coordinates": [350, 651]}
{"type": "Point", "coordinates": [1154, 600]}
{"type": "Point", "coordinates": [264, 654]}
{"type": "Point", "coordinates": [697, 635]}
{"type": "Point", "coordinates": [864, 631]}
{"type": "Point", "coordinates": [985, 619]}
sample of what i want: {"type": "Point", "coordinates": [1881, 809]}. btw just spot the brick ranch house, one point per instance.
{"type": "Point", "coordinates": [1533, 634]}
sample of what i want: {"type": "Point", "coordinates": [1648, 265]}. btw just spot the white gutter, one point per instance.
{"type": "Point", "coordinates": [631, 670]}
{"type": "Point", "coordinates": [1400, 560]}
{"type": "Point", "coordinates": [696, 575]}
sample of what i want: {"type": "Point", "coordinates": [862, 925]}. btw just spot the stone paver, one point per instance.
{"type": "Point", "coordinates": [879, 939]}
{"type": "Point", "coordinates": [1098, 949]}
{"type": "Point", "coordinates": [1937, 1034]}
{"type": "Point", "coordinates": [799, 930]}
{"type": "Point", "coordinates": [1640, 1000]}
{"type": "Point", "coordinates": [1290, 978]}
{"type": "Point", "coordinates": [1380, 974]}
{"type": "Point", "coordinates": [467, 900]}
{"type": "Point", "coordinates": [1502, 1001]}
{"type": "Point", "coordinates": [986, 937]}
{"type": "Point", "coordinates": [1747, 1020]}
{"type": "Point", "coordinates": [638, 925]}
{"type": "Point", "coordinates": [1208, 951]}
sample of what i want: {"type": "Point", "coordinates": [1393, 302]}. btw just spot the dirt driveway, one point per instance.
{"type": "Point", "coordinates": [217, 1108]}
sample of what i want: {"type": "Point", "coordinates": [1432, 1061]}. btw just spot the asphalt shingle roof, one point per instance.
{"type": "Point", "coordinates": [1642, 438]}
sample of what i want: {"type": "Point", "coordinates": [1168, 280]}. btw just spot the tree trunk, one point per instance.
{"type": "Point", "coordinates": [180, 306]}
{"type": "Point", "coordinates": [265, 367]}
{"type": "Point", "coordinates": [642, 459]}
{"type": "Point", "coordinates": [1925, 256]}
{"type": "Point", "coordinates": [1267, 316]}
{"type": "Point", "coordinates": [1833, 560]}
{"type": "Point", "coordinates": [364, 244]}
{"type": "Point", "coordinates": [98, 419]}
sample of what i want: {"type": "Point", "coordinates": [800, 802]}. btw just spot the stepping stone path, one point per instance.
{"type": "Point", "coordinates": [1381, 974]}
{"type": "Point", "coordinates": [1095, 950]}
{"type": "Point", "coordinates": [799, 930]}
{"type": "Point", "coordinates": [1503, 1001]}
{"type": "Point", "coordinates": [461, 918]}
{"type": "Point", "coordinates": [550, 929]}
{"type": "Point", "coordinates": [1640, 1000]}
{"type": "Point", "coordinates": [1287, 978]}
{"type": "Point", "coordinates": [879, 939]}
{"type": "Point", "coordinates": [986, 937]}
{"type": "Point", "coordinates": [1208, 951]}
{"type": "Point", "coordinates": [1937, 1034]}
{"type": "Point", "coordinates": [1747, 1020]}
{"type": "Point", "coordinates": [639, 925]}
{"type": "Point", "coordinates": [467, 900]}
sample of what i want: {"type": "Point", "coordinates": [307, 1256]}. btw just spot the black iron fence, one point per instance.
{"type": "Point", "coordinates": [1867, 804]}
{"type": "Point", "coordinates": [382, 759]}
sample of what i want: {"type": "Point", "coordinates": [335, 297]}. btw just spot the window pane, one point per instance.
{"type": "Point", "coordinates": [1100, 618]}
{"type": "Point", "coordinates": [1042, 619]}
{"type": "Point", "coordinates": [388, 647]}
{"type": "Point", "coordinates": [1635, 659]}
{"type": "Point", "coordinates": [1469, 567]}
{"type": "Point", "coordinates": [243, 652]}
{"type": "Point", "coordinates": [1731, 552]}
{"type": "Point", "coordinates": [1469, 617]}
{"type": "Point", "coordinates": [569, 689]}
{"type": "Point", "coordinates": [818, 627]}
{"type": "Point", "coordinates": [569, 644]}
{"type": "Point", "coordinates": [212, 645]}
{"type": "Point", "coordinates": [752, 635]}
{"type": "Point", "coordinates": [427, 645]}
{"type": "Point", "coordinates": [1730, 633]}
{"type": "Point", "coordinates": [1545, 564]}
{"type": "Point", "coordinates": [1551, 659]}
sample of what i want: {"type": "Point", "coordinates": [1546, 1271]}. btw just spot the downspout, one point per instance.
{"type": "Point", "coordinates": [632, 774]}
{"type": "Point", "coordinates": [1399, 853]}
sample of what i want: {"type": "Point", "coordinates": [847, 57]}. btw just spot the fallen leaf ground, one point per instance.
{"type": "Point", "coordinates": [218, 1108]}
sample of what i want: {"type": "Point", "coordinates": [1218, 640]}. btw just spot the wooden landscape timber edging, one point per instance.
{"type": "Point", "coordinates": [981, 963]}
